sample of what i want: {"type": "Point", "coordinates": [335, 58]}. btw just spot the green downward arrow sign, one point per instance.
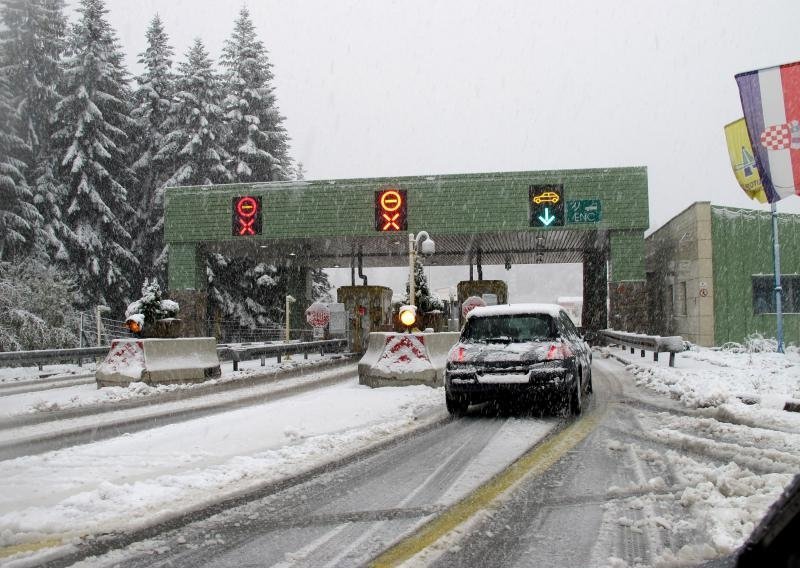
{"type": "Point", "coordinates": [547, 218]}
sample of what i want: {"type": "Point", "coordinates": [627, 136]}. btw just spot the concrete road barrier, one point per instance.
{"type": "Point", "coordinates": [403, 359]}
{"type": "Point", "coordinates": [159, 361]}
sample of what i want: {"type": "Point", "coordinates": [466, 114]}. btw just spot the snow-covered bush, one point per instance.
{"type": "Point", "coordinates": [151, 307]}
{"type": "Point", "coordinates": [757, 343]}
{"type": "Point", "coordinates": [753, 343]}
{"type": "Point", "coordinates": [37, 308]}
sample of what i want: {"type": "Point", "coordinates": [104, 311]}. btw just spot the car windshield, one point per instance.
{"type": "Point", "coordinates": [509, 328]}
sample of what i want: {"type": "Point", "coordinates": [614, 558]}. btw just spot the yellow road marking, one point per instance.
{"type": "Point", "coordinates": [534, 463]}
{"type": "Point", "coordinates": [28, 547]}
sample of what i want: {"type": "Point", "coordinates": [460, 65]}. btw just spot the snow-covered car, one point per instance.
{"type": "Point", "coordinates": [530, 352]}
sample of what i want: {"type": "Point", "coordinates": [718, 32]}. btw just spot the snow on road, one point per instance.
{"type": "Point", "coordinates": [704, 377]}
{"type": "Point", "coordinates": [118, 483]}
{"type": "Point", "coordinates": [708, 465]}
{"type": "Point", "coordinates": [12, 375]}
{"type": "Point", "coordinates": [726, 461]}
{"type": "Point", "coordinates": [746, 388]}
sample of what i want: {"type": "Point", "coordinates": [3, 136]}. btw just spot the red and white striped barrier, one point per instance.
{"type": "Point", "coordinates": [159, 361]}
{"type": "Point", "coordinates": [402, 359]}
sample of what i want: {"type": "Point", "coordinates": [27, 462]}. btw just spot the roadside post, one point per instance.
{"type": "Point", "coordinates": [427, 247]}
{"type": "Point", "coordinates": [289, 301]}
{"type": "Point", "coordinates": [776, 260]}
{"type": "Point", "coordinates": [98, 311]}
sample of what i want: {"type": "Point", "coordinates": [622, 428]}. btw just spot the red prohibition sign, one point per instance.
{"type": "Point", "coordinates": [391, 201]}
{"type": "Point", "coordinates": [247, 207]}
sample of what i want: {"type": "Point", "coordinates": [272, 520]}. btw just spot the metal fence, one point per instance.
{"type": "Point", "coordinates": [109, 329]}
{"type": "Point", "coordinates": [238, 353]}
{"type": "Point", "coordinates": [231, 331]}
{"type": "Point", "coordinates": [225, 331]}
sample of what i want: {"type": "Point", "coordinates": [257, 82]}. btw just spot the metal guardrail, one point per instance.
{"type": "Point", "coordinates": [235, 353]}
{"type": "Point", "coordinates": [39, 358]}
{"type": "Point", "coordinates": [655, 343]}
{"type": "Point", "coordinates": [238, 353]}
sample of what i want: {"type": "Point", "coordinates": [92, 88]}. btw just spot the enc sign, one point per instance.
{"type": "Point", "coordinates": [246, 216]}
{"type": "Point", "coordinates": [391, 210]}
{"type": "Point", "coordinates": [546, 205]}
{"type": "Point", "coordinates": [584, 211]}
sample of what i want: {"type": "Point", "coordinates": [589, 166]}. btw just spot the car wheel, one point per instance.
{"type": "Point", "coordinates": [456, 406]}
{"type": "Point", "coordinates": [589, 387]}
{"type": "Point", "coordinates": [576, 400]}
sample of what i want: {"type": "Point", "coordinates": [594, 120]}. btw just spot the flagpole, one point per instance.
{"type": "Point", "coordinates": [776, 259]}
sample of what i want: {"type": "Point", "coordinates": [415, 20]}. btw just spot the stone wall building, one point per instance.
{"type": "Point", "coordinates": [710, 275]}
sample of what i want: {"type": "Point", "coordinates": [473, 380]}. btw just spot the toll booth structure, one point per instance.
{"type": "Point", "coordinates": [596, 217]}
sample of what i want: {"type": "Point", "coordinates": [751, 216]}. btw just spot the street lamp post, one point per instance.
{"type": "Point", "coordinates": [424, 242]}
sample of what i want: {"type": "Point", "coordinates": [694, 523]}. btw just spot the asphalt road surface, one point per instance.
{"type": "Point", "coordinates": [426, 500]}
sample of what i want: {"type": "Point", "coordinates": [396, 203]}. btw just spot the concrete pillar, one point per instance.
{"type": "Point", "coordinates": [627, 288]}
{"type": "Point", "coordinates": [628, 306]}
{"type": "Point", "coordinates": [186, 273]}
{"type": "Point", "coordinates": [299, 286]}
{"type": "Point", "coordinates": [193, 305]}
{"type": "Point", "coordinates": [594, 315]}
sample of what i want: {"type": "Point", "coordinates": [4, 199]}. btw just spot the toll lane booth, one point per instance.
{"type": "Point", "coordinates": [596, 217]}
{"type": "Point", "coordinates": [369, 308]}
{"type": "Point", "coordinates": [469, 288]}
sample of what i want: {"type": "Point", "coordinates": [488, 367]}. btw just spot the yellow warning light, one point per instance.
{"type": "Point", "coordinates": [408, 315]}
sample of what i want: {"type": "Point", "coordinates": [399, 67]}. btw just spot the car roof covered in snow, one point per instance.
{"type": "Point", "coordinates": [552, 310]}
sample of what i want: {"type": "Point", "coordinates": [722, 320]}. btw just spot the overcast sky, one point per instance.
{"type": "Point", "coordinates": [378, 88]}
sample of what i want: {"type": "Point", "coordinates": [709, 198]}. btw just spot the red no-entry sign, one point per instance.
{"type": "Point", "coordinates": [318, 315]}
{"type": "Point", "coordinates": [246, 216]}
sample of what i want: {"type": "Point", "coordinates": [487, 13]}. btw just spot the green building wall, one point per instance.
{"type": "Point", "coordinates": [742, 247]}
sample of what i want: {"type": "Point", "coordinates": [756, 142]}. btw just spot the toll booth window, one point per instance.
{"type": "Point", "coordinates": [391, 210]}
{"type": "Point", "coordinates": [246, 213]}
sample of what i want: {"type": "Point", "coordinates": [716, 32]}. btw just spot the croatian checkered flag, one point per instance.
{"type": "Point", "coordinates": [771, 104]}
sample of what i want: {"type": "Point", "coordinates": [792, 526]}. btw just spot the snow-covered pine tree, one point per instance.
{"type": "Point", "coordinates": [152, 100]}
{"type": "Point", "coordinates": [18, 215]}
{"type": "Point", "coordinates": [253, 298]}
{"type": "Point", "coordinates": [423, 298]}
{"type": "Point", "coordinates": [32, 40]}
{"type": "Point", "coordinates": [50, 194]}
{"type": "Point", "coordinates": [92, 122]}
{"type": "Point", "coordinates": [196, 125]}
{"type": "Point", "coordinates": [258, 142]}
{"type": "Point", "coordinates": [36, 307]}
{"type": "Point", "coordinates": [320, 285]}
